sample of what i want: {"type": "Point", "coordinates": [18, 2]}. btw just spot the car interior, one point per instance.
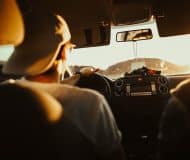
{"type": "Point", "coordinates": [140, 51]}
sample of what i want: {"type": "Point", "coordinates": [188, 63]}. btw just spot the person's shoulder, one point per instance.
{"type": "Point", "coordinates": [77, 89]}
{"type": "Point", "coordinates": [84, 92]}
{"type": "Point", "coordinates": [67, 91]}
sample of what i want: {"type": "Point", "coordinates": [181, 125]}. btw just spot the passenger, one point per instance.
{"type": "Point", "coordinates": [174, 133]}
{"type": "Point", "coordinates": [41, 61]}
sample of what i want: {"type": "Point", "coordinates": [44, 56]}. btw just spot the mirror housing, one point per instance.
{"type": "Point", "coordinates": [134, 35]}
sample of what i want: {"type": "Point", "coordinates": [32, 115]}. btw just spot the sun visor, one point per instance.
{"type": "Point", "coordinates": [11, 24]}
{"type": "Point", "coordinates": [173, 17]}
{"type": "Point", "coordinates": [81, 12]}
{"type": "Point", "coordinates": [130, 12]}
{"type": "Point", "coordinates": [87, 19]}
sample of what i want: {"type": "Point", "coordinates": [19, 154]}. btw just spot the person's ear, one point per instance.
{"type": "Point", "coordinates": [60, 66]}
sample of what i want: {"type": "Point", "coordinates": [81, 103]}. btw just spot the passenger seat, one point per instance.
{"type": "Point", "coordinates": [174, 133]}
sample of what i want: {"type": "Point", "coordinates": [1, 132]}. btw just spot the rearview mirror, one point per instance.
{"type": "Point", "coordinates": [134, 35]}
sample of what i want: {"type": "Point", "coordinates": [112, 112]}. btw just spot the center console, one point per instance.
{"type": "Point", "coordinates": [141, 82]}
{"type": "Point", "coordinates": [137, 102]}
{"type": "Point", "coordinates": [141, 85]}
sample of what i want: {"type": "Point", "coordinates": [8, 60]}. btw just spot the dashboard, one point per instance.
{"type": "Point", "coordinates": [139, 83]}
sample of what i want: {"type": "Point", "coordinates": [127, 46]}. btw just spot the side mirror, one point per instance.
{"type": "Point", "coordinates": [134, 35]}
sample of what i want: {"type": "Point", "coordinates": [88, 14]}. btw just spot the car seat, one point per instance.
{"type": "Point", "coordinates": [33, 126]}
{"type": "Point", "coordinates": [174, 134]}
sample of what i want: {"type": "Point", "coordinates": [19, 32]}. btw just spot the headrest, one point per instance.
{"type": "Point", "coordinates": [29, 120]}
{"type": "Point", "coordinates": [182, 91]}
{"type": "Point", "coordinates": [11, 23]}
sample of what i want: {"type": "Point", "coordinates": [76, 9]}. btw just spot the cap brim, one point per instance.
{"type": "Point", "coordinates": [29, 62]}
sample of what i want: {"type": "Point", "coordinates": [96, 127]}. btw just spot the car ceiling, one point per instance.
{"type": "Point", "coordinates": [172, 17]}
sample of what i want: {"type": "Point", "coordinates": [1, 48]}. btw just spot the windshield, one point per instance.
{"type": "Point", "coordinates": [6, 51]}
{"type": "Point", "coordinates": [166, 54]}
{"type": "Point", "coordinates": [119, 56]}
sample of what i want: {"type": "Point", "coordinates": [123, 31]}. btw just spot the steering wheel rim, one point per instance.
{"type": "Point", "coordinates": [96, 82]}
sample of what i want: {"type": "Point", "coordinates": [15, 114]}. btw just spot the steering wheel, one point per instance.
{"type": "Point", "coordinates": [97, 82]}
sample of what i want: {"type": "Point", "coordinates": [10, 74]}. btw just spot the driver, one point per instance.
{"type": "Point", "coordinates": [41, 60]}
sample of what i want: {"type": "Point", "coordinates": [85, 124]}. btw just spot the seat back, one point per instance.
{"type": "Point", "coordinates": [33, 127]}
{"type": "Point", "coordinates": [174, 134]}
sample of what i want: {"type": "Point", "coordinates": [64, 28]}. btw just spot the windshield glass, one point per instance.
{"type": "Point", "coordinates": [6, 51]}
{"type": "Point", "coordinates": [116, 57]}
{"type": "Point", "coordinates": [166, 54]}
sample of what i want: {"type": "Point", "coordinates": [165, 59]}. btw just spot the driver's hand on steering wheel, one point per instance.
{"type": "Point", "coordinates": [88, 71]}
{"type": "Point", "coordinates": [84, 72]}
